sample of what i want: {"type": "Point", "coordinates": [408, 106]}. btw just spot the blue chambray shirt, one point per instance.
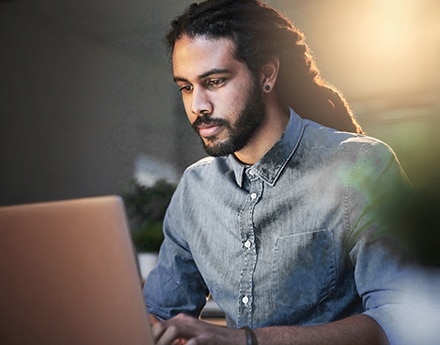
{"type": "Point", "coordinates": [295, 239]}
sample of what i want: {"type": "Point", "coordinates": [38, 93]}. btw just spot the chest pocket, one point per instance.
{"type": "Point", "coordinates": [304, 269]}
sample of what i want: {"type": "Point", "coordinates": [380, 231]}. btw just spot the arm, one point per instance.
{"type": "Point", "coordinates": [380, 264]}
{"type": "Point", "coordinates": [355, 330]}
{"type": "Point", "coordinates": [175, 285]}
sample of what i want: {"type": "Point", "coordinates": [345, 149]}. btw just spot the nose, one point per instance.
{"type": "Point", "coordinates": [200, 102]}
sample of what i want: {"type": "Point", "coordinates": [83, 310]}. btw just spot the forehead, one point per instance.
{"type": "Point", "coordinates": [196, 55]}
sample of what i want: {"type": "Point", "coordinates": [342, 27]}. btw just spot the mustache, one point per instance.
{"type": "Point", "coordinates": [206, 120]}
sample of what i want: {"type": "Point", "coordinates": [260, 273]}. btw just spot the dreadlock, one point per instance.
{"type": "Point", "coordinates": [260, 33]}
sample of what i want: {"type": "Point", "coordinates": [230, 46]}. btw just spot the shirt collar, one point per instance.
{"type": "Point", "coordinates": [271, 165]}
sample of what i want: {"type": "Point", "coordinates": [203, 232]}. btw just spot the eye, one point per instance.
{"type": "Point", "coordinates": [185, 88]}
{"type": "Point", "coordinates": [213, 83]}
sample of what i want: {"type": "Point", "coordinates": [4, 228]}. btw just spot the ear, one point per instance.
{"type": "Point", "coordinates": [269, 74]}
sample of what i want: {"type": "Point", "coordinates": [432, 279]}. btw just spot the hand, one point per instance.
{"type": "Point", "coordinates": [187, 330]}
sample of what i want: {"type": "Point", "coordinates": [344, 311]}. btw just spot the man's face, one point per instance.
{"type": "Point", "coordinates": [221, 97]}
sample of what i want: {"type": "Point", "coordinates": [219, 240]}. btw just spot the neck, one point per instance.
{"type": "Point", "coordinates": [270, 131]}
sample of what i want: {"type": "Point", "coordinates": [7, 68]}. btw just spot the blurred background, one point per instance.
{"type": "Point", "coordinates": [87, 101]}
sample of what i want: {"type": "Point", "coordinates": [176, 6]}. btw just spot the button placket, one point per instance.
{"type": "Point", "coordinates": [249, 250]}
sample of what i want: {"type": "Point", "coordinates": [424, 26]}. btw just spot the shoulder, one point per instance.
{"type": "Point", "coordinates": [206, 170]}
{"type": "Point", "coordinates": [317, 136]}
{"type": "Point", "coordinates": [200, 164]}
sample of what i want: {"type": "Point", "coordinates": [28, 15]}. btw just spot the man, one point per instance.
{"type": "Point", "coordinates": [282, 226]}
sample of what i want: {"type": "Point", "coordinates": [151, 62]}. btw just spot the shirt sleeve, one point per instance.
{"type": "Point", "coordinates": [380, 266]}
{"type": "Point", "coordinates": [175, 285]}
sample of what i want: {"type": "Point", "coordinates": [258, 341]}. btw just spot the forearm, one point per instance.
{"type": "Point", "coordinates": [355, 330]}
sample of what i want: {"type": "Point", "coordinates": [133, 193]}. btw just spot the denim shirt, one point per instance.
{"type": "Point", "coordinates": [295, 239]}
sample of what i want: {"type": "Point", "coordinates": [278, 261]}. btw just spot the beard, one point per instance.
{"type": "Point", "coordinates": [240, 132]}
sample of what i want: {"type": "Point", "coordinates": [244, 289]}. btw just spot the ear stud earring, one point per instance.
{"type": "Point", "coordinates": [267, 87]}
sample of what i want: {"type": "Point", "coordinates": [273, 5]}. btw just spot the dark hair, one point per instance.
{"type": "Point", "coordinates": [260, 33]}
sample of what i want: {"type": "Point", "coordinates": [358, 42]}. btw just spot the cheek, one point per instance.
{"type": "Point", "coordinates": [235, 103]}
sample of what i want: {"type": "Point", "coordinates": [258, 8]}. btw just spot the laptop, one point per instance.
{"type": "Point", "coordinates": [68, 275]}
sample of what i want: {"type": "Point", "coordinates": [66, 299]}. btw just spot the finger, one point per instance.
{"type": "Point", "coordinates": [157, 330]}
{"type": "Point", "coordinates": [192, 342]}
{"type": "Point", "coordinates": [166, 334]}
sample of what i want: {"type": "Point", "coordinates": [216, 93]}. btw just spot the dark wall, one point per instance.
{"type": "Point", "coordinates": [84, 90]}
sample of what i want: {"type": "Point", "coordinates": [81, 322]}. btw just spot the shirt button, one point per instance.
{"type": "Point", "coordinates": [253, 196]}
{"type": "Point", "coordinates": [245, 300]}
{"type": "Point", "coordinates": [251, 172]}
{"type": "Point", "coordinates": [248, 244]}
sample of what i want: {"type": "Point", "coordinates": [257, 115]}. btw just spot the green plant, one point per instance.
{"type": "Point", "coordinates": [146, 207]}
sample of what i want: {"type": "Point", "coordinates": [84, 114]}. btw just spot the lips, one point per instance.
{"type": "Point", "coordinates": [210, 130]}
{"type": "Point", "coordinates": [209, 127]}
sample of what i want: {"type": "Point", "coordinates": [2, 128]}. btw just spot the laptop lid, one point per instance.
{"type": "Point", "coordinates": [68, 275]}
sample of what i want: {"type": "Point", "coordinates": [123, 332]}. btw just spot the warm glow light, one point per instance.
{"type": "Point", "coordinates": [371, 47]}
{"type": "Point", "coordinates": [389, 44]}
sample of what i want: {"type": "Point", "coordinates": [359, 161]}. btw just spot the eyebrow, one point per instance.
{"type": "Point", "coordinates": [205, 75]}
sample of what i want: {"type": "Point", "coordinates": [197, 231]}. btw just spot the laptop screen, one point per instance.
{"type": "Point", "coordinates": [69, 275]}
